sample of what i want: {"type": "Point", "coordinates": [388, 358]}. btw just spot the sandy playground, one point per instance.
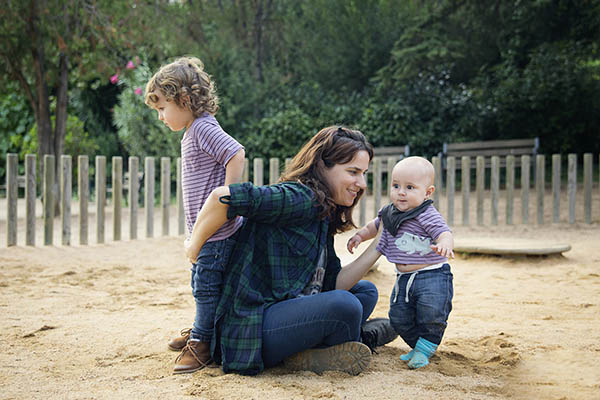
{"type": "Point", "coordinates": [92, 322]}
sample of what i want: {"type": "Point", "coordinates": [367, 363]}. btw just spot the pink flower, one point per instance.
{"type": "Point", "coordinates": [130, 65]}
{"type": "Point", "coordinates": [138, 91]}
{"type": "Point", "coordinates": [114, 79]}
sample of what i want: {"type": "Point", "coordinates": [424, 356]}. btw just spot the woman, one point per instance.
{"type": "Point", "coordinates": [285, 291]}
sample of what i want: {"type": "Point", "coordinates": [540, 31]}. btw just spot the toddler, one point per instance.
{"type": "Point", "coordinates": [418, 241]}
{"type": "Point", "coordinates": [185, 98]}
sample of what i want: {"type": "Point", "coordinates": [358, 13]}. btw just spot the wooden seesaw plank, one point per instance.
{"type": "Point", "coordinates": [501, 246]}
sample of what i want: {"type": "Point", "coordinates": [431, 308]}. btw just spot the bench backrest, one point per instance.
{"type": "Point", "coordinates": [392, 151]}
{"type": "Point", "coordinates": [399, 152]}
{"type": "Point", "coordinates": [502, 148]}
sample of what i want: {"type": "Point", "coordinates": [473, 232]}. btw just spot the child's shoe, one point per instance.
{"type": "Point", "coordinates": [408, 356]}
{"type": "Point", "coordinates": [422, 351]}
{"type": "Point", "coordinates": [349, 357]}
{"type": "Point", "coordinates": [179, 342]}
{"type": "Point", "coordinates": [194, 356]}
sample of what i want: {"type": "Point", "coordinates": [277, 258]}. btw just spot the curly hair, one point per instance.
{"type": "Point", "coordinates": [184, 82]}
{"type": "Point", "coordinates": [330, 146]}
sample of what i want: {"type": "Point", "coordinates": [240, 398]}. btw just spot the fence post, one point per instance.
{"type": "Point", "coordinates": [84, 194]}
{"type": "Point", "coordinates": [133, 195]}
{"type": "Point", "coordinates": [117, 195]}
{"type": "Point", "coordinates": [495, 187]}
{"type": "Point", "coordinates": [165, 193]}
{"type": "Point", "coordinates": [450, 186]}
{"type": "Point", "coordinates": [587, 187]}
{"type": "Point", "coordinates": [179, 199]}
{"type": "Point", "coordinates": [362, 205]}
{"type": "Point", "coordinates": [437, 168]}
{"type": "Point", "coordinates": [149, 195]}
{"type": "Point", "coordinates": [466, 187]}
{"type": "Point", "coordinates": [30, 197]}
{"type": "Point", "coordinates": [12, 195]}
{"type": "Point", "coordinates": [540, 183]}
{"type": "Point", "coordinates": [525, 170]}
{"type": "Point", "coordinates": [49, 177]}
{"type": "Point", "coordinates": [376, 184]}
{"type": "Point", "coordinates": [572, 185]}
{"type": "Point", "coordinates": [100, 197]}
{"type": "Point", "coordinates": [480, 187]}
{"type": "Point", "coordinates": [556, 160]}
{"type": "Point", "coordinates": [246, 172]}
{"type": "Point", "coordinates": [258, 171]}
{"type": "Point", "coordinates": [510, 188]}
{"type": "Point", "coordinates": [391, 162]}
{"type": "Point", "coordinates": [65, 198]}
{"type": "Point", "coordinates": [273, 170]}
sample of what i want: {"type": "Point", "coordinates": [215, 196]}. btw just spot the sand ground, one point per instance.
{"type": "Point", "coordinates": [92, 322]}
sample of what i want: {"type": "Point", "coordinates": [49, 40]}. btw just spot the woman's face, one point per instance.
{"type": "Point", "coordinates": [346, 180]}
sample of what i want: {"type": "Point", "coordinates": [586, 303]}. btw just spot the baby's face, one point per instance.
{"type": "Point", "coordinates": [409, 188]}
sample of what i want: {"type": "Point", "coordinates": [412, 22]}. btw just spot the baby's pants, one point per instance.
{"type": "Point", "coordinates": [425, 314]}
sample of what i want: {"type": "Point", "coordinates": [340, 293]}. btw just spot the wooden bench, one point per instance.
{"type": "Point", "coordinates": [399, 152]}
{"type": "Point", "coordinates": [21, 182]}
{"type": "Point", "coordinates": [489, 148]}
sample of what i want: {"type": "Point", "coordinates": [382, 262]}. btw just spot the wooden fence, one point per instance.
{"type": "Point", "coordinates": [483, 183]}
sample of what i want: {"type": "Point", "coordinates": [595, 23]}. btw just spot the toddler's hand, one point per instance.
{"type": "Point", "coordinates": [443, 250]}
{"type": "Point", "coordinates": [189, 252]}
{"type": "Point", "coordinates": [353, 242]}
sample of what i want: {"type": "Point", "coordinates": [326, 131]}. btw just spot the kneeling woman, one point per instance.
{"type": "Point", "coordinates": [285, 295]}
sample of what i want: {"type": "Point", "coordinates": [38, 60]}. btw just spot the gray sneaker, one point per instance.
{"type": "Point", "coordinates": [349, 357]}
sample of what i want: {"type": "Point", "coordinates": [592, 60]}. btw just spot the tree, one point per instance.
{"type": "Point", "coordinates": [48, 44]}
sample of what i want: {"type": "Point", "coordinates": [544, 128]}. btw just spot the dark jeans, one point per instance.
{"type": "Point", "coordinates": [429, 304]}
{"type": "Point", "coordinates": [207, 284]}
{"type": "Point", "coordinates": [321, 320]}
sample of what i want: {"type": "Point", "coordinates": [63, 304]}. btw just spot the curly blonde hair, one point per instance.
{"type": "Point", "coordinates": [184, 82]}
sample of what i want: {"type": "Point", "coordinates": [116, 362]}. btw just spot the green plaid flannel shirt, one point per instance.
{"type": "Point", "coordinates": [274, 258]}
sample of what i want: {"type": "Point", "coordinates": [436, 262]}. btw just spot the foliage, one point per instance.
{"type": "Point", "coordinates": [415, 72]}
{"type": "Point", "coordinates": [77, 140]}
{"type": "Point", "coordinates": [139, 130]}
{"type": "Point", "coordinates": [16, 119]}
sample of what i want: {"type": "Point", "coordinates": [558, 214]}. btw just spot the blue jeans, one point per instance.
{"type": "Point", "coordinates": [429, 304]}
{"type": "Point", "coordinates": [321, 320]}
{"type": "Point", "coordinates": [207, 284]}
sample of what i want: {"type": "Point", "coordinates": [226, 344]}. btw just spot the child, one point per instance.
{"type": "Point", "coordinates": [417, 239]}
{"type": "Point", "coordinates": [185, 98]}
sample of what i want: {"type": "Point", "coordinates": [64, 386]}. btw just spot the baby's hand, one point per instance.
{"type": "Point", "coordinates": [353, 242]}
{"type": "Point", "coordinates": [443, 250]}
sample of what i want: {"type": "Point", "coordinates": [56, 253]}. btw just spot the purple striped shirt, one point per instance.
{"type": "Point", "coordinates": [205, 151]}
{"type": "Point", "coordinates": [411, 243]}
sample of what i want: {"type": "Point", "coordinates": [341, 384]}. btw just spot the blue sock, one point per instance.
{"type": "Point", "coordinates": [407, 356]}
{"type": "Point", "coordinates": [423, 350]}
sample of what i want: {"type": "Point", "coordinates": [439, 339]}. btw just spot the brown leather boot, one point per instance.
{"type": "Point", "coordinates": [179, 342]}
{"type": "Point", "coordinates": [194, 356]}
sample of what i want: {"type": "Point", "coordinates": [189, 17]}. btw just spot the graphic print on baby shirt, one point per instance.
{"type": "Point", "coordinates": [410, 244]}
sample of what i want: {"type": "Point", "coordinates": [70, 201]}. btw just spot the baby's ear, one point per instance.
{"type": "Point", "coordinates": [430, 191]}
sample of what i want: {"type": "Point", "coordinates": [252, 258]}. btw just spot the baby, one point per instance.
{"type": "Point", "coordinates": [418, 241]}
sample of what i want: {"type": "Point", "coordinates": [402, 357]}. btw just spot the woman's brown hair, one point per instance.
{"type": "Point", "coordinates": [330, 146]}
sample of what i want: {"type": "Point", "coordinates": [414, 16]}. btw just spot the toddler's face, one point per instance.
{"type": "Point", "coordinates": [173, 116]}
{"type": "Point", "coordinates": [409, 188]}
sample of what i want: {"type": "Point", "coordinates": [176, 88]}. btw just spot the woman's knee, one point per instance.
{"type": "Point", "coordinates": [344, 305]}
